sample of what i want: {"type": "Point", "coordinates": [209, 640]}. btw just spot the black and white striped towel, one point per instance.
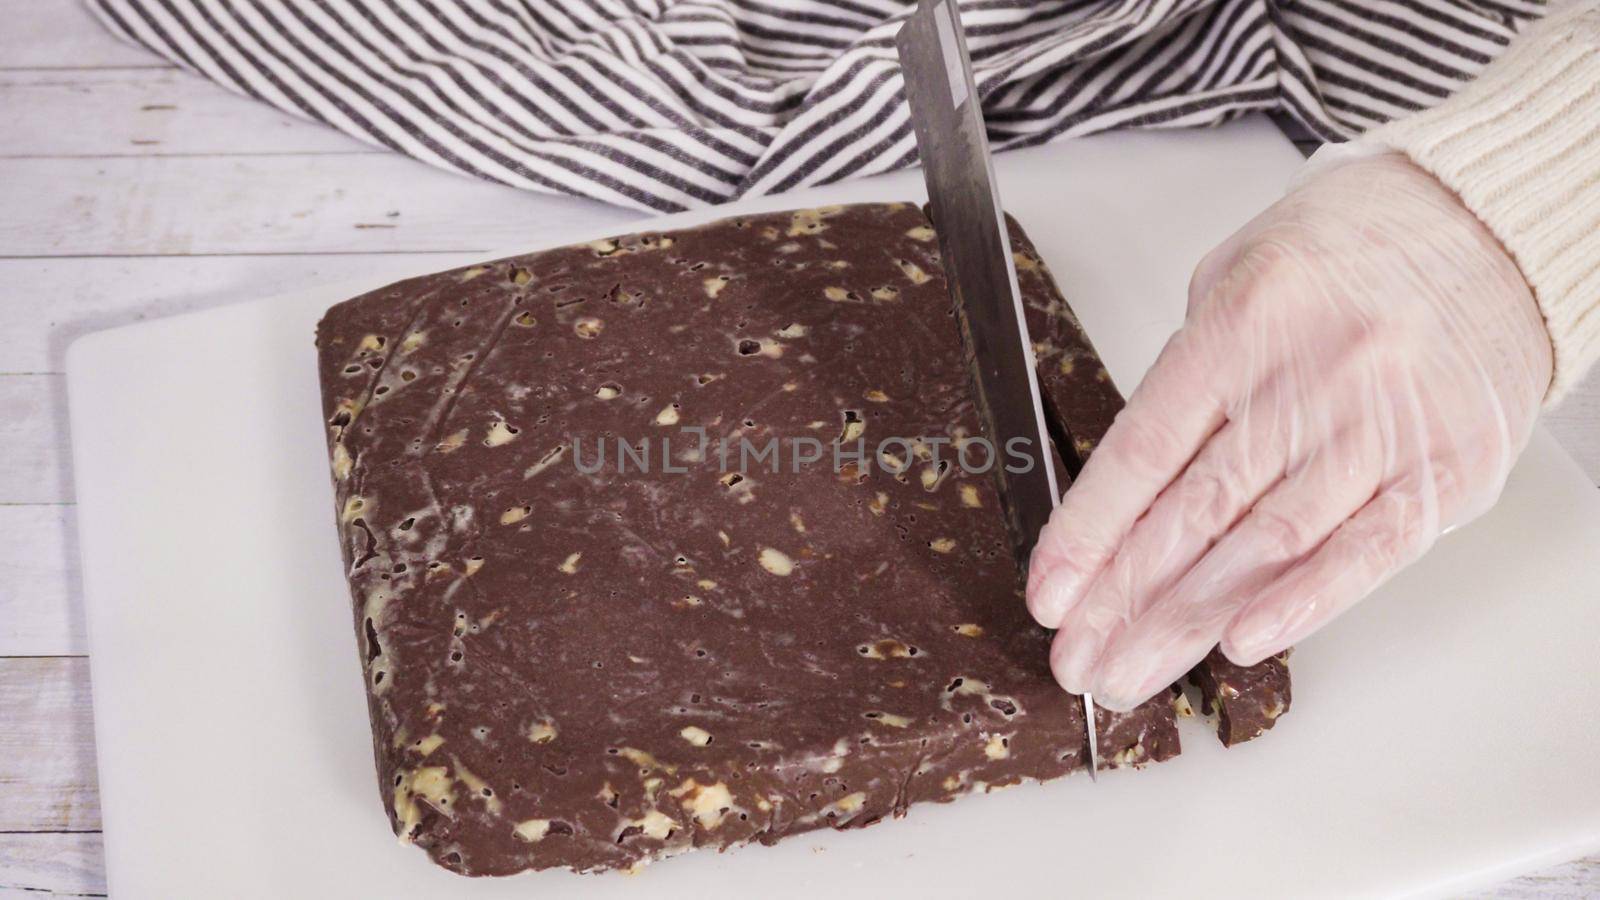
{"type": "Point", "coordinates": [668, 104]}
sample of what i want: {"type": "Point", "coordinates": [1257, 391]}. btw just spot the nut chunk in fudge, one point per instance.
{"type": "Point", "coordinates": [589, 642]}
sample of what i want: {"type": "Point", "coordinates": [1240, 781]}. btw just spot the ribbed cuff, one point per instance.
{"type": "Point", "coordinates": [1521, 147]}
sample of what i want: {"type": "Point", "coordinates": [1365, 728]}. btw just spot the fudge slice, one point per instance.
{"type": "Point", "coordinates": [1083, 402]}
{"type": "Point", "coordinates": [1247, 700]}
{"type": "Point", "coordinates": [1077, 390]}
{"type": "Point", "coordinates": [593, 635]}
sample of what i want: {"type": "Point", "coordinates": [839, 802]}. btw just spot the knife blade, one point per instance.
{"type": "Point", "coordinates": [975, 248]}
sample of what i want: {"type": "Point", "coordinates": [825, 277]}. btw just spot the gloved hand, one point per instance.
{"type": "Point", "coordinates": [1358, 369]}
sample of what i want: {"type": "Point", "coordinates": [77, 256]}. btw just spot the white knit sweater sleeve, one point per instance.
{"type": "Point", "coordinates": [1521, 146]}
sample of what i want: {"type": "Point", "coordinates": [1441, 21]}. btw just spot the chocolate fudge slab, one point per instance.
{"type": "Point", "coordinates": [1083, 402]}
{"type": "Point", "coordinates": [572, 666]}
{"type": "Point", "coordinates": [1247, 700]}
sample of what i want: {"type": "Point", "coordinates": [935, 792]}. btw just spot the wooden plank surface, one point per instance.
{"type": "Point", "coordinates": [334, 203]}
{"type": "Point", "coordinates": [1574, 880]}
{"type": "Point", "coordinates": [62, 34]}
{"type": "Point", "coordinates": [147, 112]}
{"type": "Point", "coordinates": [132, 190]}
{"type": "Point", "coordinates": [51, 864]}
{"type": "Point", "coordinates": [47, 746]}
{"type": "Point", "coordinates": [39, 610]}
{"type": "Point", "coordinates": [36, 470]}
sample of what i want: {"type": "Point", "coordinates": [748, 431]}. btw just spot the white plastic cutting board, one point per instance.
{"type": "Point", "coordinates": [1443, 735]}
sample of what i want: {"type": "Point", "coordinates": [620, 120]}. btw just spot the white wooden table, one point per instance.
{"type": "Point", "coordinates": [130, 190]}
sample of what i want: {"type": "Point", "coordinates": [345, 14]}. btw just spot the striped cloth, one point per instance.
{"type": "Point", "coordinates": [670, 104]}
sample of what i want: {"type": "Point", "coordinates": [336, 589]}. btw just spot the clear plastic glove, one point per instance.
{"type": "Point", "coordinates": [1358, 369]}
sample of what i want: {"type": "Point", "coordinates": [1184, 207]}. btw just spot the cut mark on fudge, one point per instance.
{"type": "Point", "coordinates": [466, 367]}
{"type": "Point", "coordinates": [1072, 456]}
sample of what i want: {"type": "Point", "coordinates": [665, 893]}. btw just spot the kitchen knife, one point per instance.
{"type": "Point", "coordinates": [976, 254]}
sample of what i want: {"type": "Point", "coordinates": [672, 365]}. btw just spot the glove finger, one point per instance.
{"type": "Point", "coordinates": [1235, 468]}
{"type": "Point", "coordinates": [1153, 438]}
{"type": "Point", "coordinates": [1185, 622]}
{"type": "Point", "coordinates": [1384, 536]}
